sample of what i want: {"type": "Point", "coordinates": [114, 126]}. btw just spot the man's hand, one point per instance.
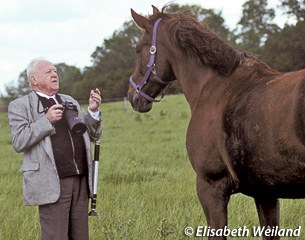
{"type": "Point", "coordinates": [55, 113]}
{"type": "Point", "coordinates": [95, 100]}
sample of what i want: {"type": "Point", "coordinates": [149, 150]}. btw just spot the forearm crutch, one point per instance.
{"type": "Point", "coordinates": [93, 211]}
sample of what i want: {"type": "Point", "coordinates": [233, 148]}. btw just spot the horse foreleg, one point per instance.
{"type": "Point", "coordinates": [214, 201]}
{"type": "Point", "coordinates": [268, 213]}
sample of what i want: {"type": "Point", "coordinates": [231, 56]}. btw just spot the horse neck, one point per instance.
{"type": "Point", "coordinates": [193, 78]}
{"type": "Point", "coordinates": [202, 62]}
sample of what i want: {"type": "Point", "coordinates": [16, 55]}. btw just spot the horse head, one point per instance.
{"type": "Point", "coordinates": [153, 71]}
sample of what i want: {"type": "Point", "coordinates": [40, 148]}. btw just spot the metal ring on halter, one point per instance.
{"type": "Point", "coordinates": [153, 49]}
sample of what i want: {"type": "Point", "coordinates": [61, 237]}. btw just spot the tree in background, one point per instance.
{"type": "Point", "coordinates": [255, 26]}
{"type": "Point", "coordinates": [112, 62]}
{"type": "Point", "coordinates": [212, 19]}
{"type": "Point", "coordinates": [295, 8]}
{"type": "Point", "coordinates": [68, 76]}
{"type": "Point", "coordinates": [285, 50]}
{"type": "Point", "coordinates": [22, 88]}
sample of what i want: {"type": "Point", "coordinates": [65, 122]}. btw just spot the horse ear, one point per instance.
{"type": "Point", "coordinates": [155, 10]}
{"type": "Point", "coordinates": [141, 21]}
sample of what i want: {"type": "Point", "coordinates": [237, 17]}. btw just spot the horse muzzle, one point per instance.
{"type": "Point", "coordinates": [138, 103]}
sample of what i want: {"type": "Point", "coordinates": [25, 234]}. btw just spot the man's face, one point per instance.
{"type": "Point", "coordinates": [44, 78]}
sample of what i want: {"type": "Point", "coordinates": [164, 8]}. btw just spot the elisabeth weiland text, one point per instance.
{"type": "Point", "coordinates": [255, 231]}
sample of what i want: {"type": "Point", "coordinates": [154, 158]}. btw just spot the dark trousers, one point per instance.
{"type": "Point", "coordinates": [67, 218]}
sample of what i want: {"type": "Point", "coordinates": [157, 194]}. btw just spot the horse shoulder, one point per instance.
{"type": "Point", "coordinates": [206, 144]}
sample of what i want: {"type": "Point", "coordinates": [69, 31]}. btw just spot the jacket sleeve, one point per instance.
{"type": "Point", "coordinates": [24, 131]}
{"type": "Point", "coordinates": [94, 126]}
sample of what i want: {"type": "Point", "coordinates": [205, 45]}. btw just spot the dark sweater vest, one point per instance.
{"type": "Point", "coordinates": [69, 149]}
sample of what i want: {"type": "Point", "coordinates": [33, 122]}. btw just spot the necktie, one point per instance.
{"type": "Point", "coordinates": [52, 101]}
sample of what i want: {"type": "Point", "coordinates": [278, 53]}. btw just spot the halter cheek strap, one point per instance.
{"type": "Point", "coordinates": [150, 68]}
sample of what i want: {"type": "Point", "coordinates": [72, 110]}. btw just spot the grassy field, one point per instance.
{"type": "Point", "coordinates": [146, 183]}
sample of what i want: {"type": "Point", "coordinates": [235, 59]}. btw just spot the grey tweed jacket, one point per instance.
{"type": "Point", "coordinates": [30, 133]}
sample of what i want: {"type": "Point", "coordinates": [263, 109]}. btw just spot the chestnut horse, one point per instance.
{"type": "Point", "coordinates": [247, 128]}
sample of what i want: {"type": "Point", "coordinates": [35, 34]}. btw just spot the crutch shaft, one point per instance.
{"type": "Point", "coordinates": [93, 211]}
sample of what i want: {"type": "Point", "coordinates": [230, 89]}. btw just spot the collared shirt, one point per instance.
{"type": "Point", "coordinates": [95, 115]}
{"type": "Point", "coordinates": [47, 96]}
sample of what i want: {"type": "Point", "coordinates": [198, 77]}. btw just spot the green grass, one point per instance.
{"type": "Point", "coordinates": [146, 183]}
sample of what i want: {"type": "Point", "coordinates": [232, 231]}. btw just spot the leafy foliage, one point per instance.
{"type": "Point", "coordinates": [113, 61]}
{"type": "Point", "coordinates": [295, 8]}
{"type": "Point", "coordinates": [285, 51]}
{"type": "Point", "coordinates": [209, 17]}
{"type": "Point", "coordinates": [255, 25]}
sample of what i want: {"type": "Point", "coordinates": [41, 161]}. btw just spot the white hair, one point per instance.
{"type": "Point", "coordinates": [31, 68]}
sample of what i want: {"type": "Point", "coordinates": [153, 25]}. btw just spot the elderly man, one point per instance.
{"type": "Point", "coordinates": [57, 166]}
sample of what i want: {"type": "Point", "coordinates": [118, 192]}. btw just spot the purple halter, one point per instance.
{"type": "Point", "coordinates": [150, 68]}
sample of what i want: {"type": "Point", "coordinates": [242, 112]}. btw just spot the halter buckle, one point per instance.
{"type": "Point", "coordinates": [153, 70]}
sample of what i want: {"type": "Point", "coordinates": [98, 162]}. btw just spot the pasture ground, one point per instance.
{"type": "Point", "coordinates": [146, 183]}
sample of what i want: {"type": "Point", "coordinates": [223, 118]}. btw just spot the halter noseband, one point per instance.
{"type": "Point", "coordinates": [150, 68]}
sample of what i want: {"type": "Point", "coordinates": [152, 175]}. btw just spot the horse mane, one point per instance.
{"type": "Point", "coordinates": [198, 40]}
